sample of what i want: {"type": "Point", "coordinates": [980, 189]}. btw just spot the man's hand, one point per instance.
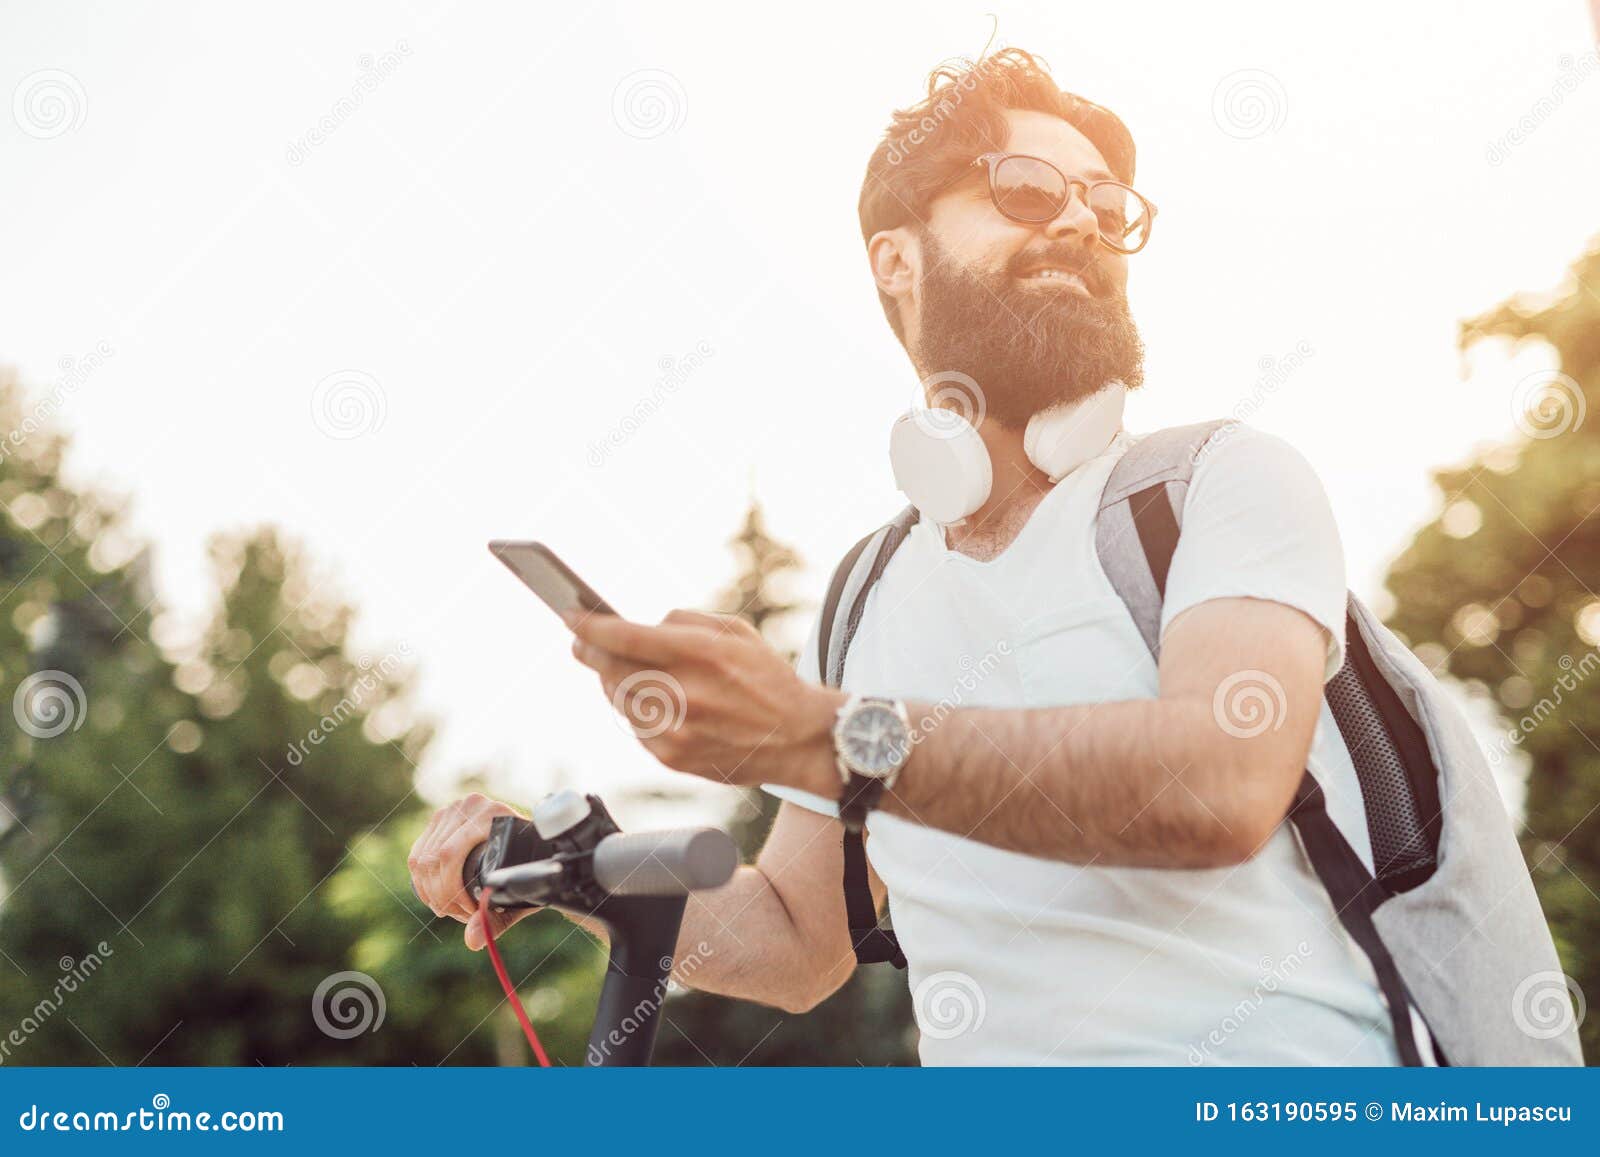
{"type": "Point", "coordinates": [705, 694]}
{"type": "Point", "coordinates": [438, 855]}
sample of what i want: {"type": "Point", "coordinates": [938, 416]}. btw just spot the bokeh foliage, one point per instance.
{"type": "Point", "coordinates": [1499, 592]}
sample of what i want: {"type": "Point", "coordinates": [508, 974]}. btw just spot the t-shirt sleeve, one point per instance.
{"type": "Point", "coordinates": [806, 667]}
{"type": "Point", "coordinates": [1257, 524]}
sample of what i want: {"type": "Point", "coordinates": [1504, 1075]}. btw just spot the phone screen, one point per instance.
{"type": "Point", "coordinates": [548, 577]}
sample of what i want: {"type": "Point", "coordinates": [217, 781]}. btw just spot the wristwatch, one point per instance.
{"type": "Point", "coordinates": [871, 742]}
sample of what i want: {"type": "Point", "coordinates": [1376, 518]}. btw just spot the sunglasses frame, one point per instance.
{"type": "Point", "coordinates": [992, 162]}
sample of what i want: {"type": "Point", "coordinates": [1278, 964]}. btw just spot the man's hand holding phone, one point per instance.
{"type": "Point", "coordinates": [704, 693]}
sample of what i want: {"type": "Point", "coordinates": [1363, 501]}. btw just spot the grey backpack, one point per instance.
{"type": "Point", "coordinates": [1448, 918]}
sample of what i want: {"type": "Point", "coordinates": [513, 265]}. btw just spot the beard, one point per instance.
{"type": "Point", "coordinates": [1029, 347]}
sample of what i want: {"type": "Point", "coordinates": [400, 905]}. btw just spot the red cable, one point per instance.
{"type": "Point", "coordinates": [505, 981]}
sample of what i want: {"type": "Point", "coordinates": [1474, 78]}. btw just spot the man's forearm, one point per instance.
{"type": "Point", "coordinates": [740, 940]}
{"type": "Point", "coordinates": [1143, 783]}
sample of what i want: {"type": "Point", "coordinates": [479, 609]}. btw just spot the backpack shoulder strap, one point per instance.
{"type": "Point", "coordinates": [1136, 535]}
{"type": "Point", "coordinates": [853, 580]}
{"type": "Point", "coordinates": [1141, 512]}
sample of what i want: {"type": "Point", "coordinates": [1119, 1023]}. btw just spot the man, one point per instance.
{"type": "Point", "coordinates": [1083, 841]}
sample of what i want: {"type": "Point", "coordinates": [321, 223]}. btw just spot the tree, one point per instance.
{"type": "Point", "coordinates": [869, 1019]}
{"type": "Point", "coordinates": [173, 815]}
{"type": "Point", "coordinates": [1498, 591]}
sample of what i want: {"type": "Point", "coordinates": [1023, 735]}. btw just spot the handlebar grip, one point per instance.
{"type": "Point", "coordinates": [670, 863]}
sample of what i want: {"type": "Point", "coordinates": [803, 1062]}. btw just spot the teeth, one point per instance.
{"type": "Point", "coordinates": [1058, 274]}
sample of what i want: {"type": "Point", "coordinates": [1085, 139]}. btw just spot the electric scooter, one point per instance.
{"type": "Point", "coordinates": [573, 855]}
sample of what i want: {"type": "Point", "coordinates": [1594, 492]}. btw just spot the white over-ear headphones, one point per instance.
{"type": "Point", "coordinates": [942, 466]}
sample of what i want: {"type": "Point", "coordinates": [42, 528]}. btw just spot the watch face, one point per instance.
{"type": "Point", "coordinates": [874, 740]}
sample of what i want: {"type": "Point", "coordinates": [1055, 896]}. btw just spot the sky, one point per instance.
{"type": "Point", "coordinates": [403, 278]}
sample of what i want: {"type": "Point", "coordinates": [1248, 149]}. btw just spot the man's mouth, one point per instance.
{"type": "Point", "coordinates": [1056, 278]}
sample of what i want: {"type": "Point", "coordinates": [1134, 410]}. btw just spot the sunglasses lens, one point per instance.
{"type": "Point", "coordinates": [1124, 216]}
{"type": "Point", "coordinates": [1028, 190]}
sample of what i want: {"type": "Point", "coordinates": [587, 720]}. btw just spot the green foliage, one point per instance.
{"type": "Point", "coordinates": [203, 842]}
{"type": "Point", "coordinates": [157, 805]}
{"type": "Point", "coordinates": [1498, 591]}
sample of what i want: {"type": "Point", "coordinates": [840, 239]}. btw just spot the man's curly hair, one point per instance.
{"type": "Point", "coordinates": [962, 117]}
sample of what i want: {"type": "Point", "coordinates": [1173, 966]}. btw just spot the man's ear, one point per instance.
{"type": "Point", "coordinates": [895, 258]}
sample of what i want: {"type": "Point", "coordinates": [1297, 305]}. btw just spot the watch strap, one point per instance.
{"type": "Point", "coordinates": [861, 794]}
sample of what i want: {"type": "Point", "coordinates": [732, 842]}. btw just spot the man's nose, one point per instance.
{"type": "Point", "coordinates": [1075, 223]}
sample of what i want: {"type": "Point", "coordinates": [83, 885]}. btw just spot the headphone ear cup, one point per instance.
{"type": "Point", "coordinates": [940, 464]}
{"type": "Point", "coordinates": [1062, 438]}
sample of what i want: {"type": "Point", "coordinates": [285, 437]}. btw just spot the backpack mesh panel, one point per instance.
{"type": "Point", "coordinates": [1400, 841]}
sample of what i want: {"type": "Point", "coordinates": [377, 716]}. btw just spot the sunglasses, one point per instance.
{"type": "Point", "coordinates": [1031, 190]}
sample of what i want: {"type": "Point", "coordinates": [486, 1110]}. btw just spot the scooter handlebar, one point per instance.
{"type": "Point", "coordinates": [669, 863]}
{"type": "Point", "coordinates": [666, 863]}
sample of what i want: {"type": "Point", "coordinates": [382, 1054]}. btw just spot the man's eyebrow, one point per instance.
{"type": "Point", "coordinates": [1098, 175]}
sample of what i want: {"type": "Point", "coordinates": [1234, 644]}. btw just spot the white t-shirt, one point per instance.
{"type": "Point", "coordinates": [1016, 960]}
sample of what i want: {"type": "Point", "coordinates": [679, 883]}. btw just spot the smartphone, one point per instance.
{"type": "Point", "coordinates": [549, 578]}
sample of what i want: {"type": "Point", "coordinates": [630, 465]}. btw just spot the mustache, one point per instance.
{"type": "Point", "coordinates": [1063, 256]}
